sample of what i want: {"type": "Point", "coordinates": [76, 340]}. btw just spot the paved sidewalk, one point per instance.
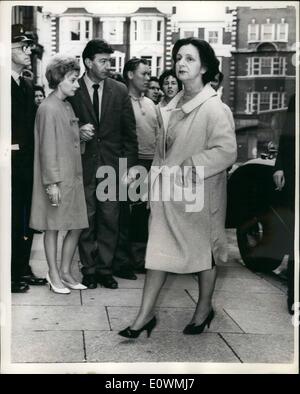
{"type": "Point", "coordinates": [252, 324]}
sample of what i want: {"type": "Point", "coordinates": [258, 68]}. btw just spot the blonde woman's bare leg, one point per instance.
{"type": "Point", "coordinates": [154, 281]}
{"type": "Point", "coordinates": [206, 282]}
{"type": "Point", "coordinates": [68, 250]}
{"type": "Point", "coordinates": [50, 244]}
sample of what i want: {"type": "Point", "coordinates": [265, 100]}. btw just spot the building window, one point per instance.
{"type": "Point", "coordinates": [253, 30]}
{"type": "Point", "coordinates": [135, 30]}
{"type": "Point", "coordinates": [268, 32]}
{"type": "Point", "coordinates": [282, 32]}
{"type": "Point", "coordinates": [257, 102]}
{"type": "Point", "coordinates": [158, 65]}
{"type": "Point", "coordinates": [117, 63]}
{"type": "Point", "coordinates": [158, 37]}
{"type": "Point", "coordinates": [188, 33]}
{"type": "Point", "coordinates": [251, 102]}
{"type": "Point", "coordinates": [75, 30]}
{"type": "Point", "coordinates": [146, 30]}
{"type": "Point", "coordinates": [279, 66]}
{"type": "Point", "coordinates": [213, 37]}
{"type": "Point", "coordinates": [149, 60]}
{"type": "Point", "coordinates": [87, 29]}
{"type": "Point", "coordinates": [264, 101]}
{"type": "Point", "coordinates": [113, 31]}
{"type": "Point", "coordinates": [266, 66]}
{"type": "Point", "coordinates": [276, 100]}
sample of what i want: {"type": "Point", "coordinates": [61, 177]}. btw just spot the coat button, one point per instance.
{"type": "Point", "coordinates": [98, 139]}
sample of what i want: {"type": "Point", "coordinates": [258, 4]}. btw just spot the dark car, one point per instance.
{"type": "Point", "coordinates": [254, 208]}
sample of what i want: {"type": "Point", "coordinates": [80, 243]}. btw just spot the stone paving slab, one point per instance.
{"type": "Point", "coordinates": [170, 319]}
{"type": "Point", "coordinates": [236, 272]}
{"type": "Point", "coordinates": [132, 297]}
{"type": "Point", "coordinates": [160, 347]}
{"type": "Point", "coordinates": [47, 347]}
{"type": "Point", "coordinates": [250, 301]}
{"type": "Point", "coordinates": [260, 322]}
{"type": "Point", "coordinates": [131, 284]}
{"type": "Point", "coordinates": [274, 280]}
{"type": "Point", "coordinates": [248, 285]}
{"type": "Point", "coordinates": [179, 281]}
{"type": "Point", "coordinates": [256, 348]}
{"type": "Point", "coordinates": [41, 295]}
{"type": "Point", "coordinates": [59, 318]}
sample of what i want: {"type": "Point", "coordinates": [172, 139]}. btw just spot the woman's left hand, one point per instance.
{"type": "Point", "coordinates": [54, 194]}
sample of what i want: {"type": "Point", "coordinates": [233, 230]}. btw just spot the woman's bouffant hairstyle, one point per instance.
{"type": "Point", "coordinates": [58, 67]}
{"type": "Point", "coordinates": [165, 75]}
{"type": "Point", "coordinates": [206, 54]}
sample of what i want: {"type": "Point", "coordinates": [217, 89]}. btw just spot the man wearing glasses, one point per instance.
{"type": "Point", "coordinates": [108, 133]}
{"type": "Point", "coordinates": [22, 123]}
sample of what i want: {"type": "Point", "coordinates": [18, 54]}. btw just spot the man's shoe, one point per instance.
{"type": "Point", "coordinates": [89, 281]}
{"type": "Point", "coordinates": [125, 274]}
{"type": "Point", "coordinates": [19, 287]}
{"type": "Point", "coordinates": [33, 280]}
{"type": "Point", "coordinates": [107, 281]}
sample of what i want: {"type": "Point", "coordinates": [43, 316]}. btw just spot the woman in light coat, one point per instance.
{"type": "Point", "coordinates": [58, 201]}
{"type": "Point", "coordinates": [197, 135]}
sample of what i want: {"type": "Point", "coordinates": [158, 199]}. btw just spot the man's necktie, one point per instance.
{"type": "Point", "coordinates": [96, 100]}
{"type": "Point", "coordinates": [22, 84]}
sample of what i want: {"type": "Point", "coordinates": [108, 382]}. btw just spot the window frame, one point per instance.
{"type": "Point", "coordinates": [71, 22]}
{"type": "Point", "coordinates": [263, 25]}
{"type": "Point", "coordinates": [158, 31]}
{"type": "Point", "coordinates": [255, 64]}
{"type": "Point", "coordinates": [256, 25]}
{"type": "Point", "coordinates": [218, 36]}
{"type": "Point", "coordinates": [286, 25]}
{"type": "Point", "coordinates": [143, 30]}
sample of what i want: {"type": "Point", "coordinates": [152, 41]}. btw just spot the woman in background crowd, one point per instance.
{"type": "Point", "coordinates": [39, 94]}
{"type": "Point", "coordinates": [58, 201]}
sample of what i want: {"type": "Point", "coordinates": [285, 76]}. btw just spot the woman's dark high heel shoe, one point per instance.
{"type": "Point", "coordinates": [129, 333]}
{"type": "Point", "coordinates": [192, 329]}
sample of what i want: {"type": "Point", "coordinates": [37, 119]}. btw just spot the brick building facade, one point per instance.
{"type": "Point", "coordinates": [262, 74]}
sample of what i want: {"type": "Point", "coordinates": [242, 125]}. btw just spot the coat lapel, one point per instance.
{"type": "Point", "coordinates": [206, 93]}
{"type": "Point", "coordinates": [107, 92]}
{"type": "Point", "coordinates": [86, 99]}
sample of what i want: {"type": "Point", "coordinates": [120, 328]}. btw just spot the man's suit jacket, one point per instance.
{"type": "Point", "coordinates": [115, 136]}
{"type": "Point", "coordinates": [286, 160]}
{"type": "Point", "coordinates": [22, 123]}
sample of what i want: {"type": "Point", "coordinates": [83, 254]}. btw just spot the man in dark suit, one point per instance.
{"type": "Point", "coordinates": [108, 133]}
{"type": "Point", "coordinates": [22, 123]}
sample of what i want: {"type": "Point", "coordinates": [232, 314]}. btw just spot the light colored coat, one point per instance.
{"type": "Point", "coordinates": [57, 159]}
{"type": "Point", "coordinates": [181, 241]}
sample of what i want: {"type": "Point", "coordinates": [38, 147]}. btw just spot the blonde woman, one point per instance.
{"type": "Point", "coordinates": [58, 201]}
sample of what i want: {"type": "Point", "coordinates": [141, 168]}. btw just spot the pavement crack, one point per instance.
{"type": "Point", "coordinates": [191, 297]}
{"type": "Point", "coordinates": [107, 315]}
{"type": "Point", "coordinates": [84, 347]}
{"type": "Point", "coordinates": [230, 347]}
{"type": "Point", "coordinates": [234, 321]}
